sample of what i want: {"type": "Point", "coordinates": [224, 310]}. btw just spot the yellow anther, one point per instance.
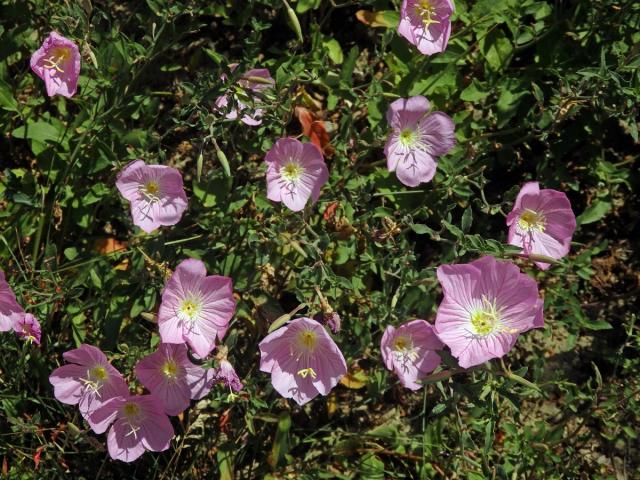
{"type": "Point", "coordinates": [307, 371]}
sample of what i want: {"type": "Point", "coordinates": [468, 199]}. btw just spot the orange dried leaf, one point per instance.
{"type": "Point", "coordinates": [356, 379]}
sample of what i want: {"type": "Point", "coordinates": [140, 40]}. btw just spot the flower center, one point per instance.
{"type": "Point", "coordinates": [151, 190]}
{"type": "Point", "coordinates": [307, 340]}
{"type": "Point", "coordinates": [190, 308]}
{"type": "Point", "coordinates": [531, 220]}
{"type": "Point", "coordinates": [408, 137]}
{"type": "Point", "coordinates": [426, 11]}
{"type": "Point", "coordinates": [170, 369]}
{"type": "Point", "coordinates": [131, 410]}
{"type": "Point", "coordinates": [291, 171]}
{"type": "Point", "coordinates": [485, 320]}
{"type": "Point", "coordinates": [59, 56]}
{"type": "Point", "coordinates": [402, 343]}
{"type": "Point", "coordinates": [98, 373]}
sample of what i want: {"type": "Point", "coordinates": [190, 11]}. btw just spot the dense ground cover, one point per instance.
{"type": "Point", "coordinates": [538, 90]}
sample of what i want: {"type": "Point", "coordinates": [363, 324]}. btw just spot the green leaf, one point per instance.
{"type": "Point", "coordinates": [40, 131]}
{"type": "Point", "coordinates": [7, 101]}
{"type": "Point", "coordinates": [334, 50]}
{"type": "Point", "coordinates": [594, 212]}
{"type": "Point", "coordinates": [474, 92]}
{"type": "Point", "coordinates": [497, 49]}
{"type": "Point", "coordinates": [467, 219]}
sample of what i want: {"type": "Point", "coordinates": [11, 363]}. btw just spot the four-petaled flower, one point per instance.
{"type": "Point", "coordinates": [426, 24]}
{"type": "Point", "coordinates": [156, 194]}
{"type": "Point", "coordinates": [195, 308]}
{"type": "Point", "coordinates": [57, 62]}
{"type": "Point", "coordinates": [541, 222]}
{"type": "Point", "coordinates": [302, 359]}
{"type": "Point", "coordinates": [418, 137]}
{"type": "Point", "coordinates": [487, 304]}
{"type": "Point", "coordinates": [295, 172]}
{"type": "Point", "coordinates": [409, 351]}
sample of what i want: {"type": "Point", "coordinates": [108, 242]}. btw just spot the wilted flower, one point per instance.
{"type": "Point", "coordinates": [169, 375]}
{"type": "Point", "coordinates": [409, 351]}
{"type": "Point", "coordinates": [255, 80]}
{"type": "Point", "coordinates": [10, 311]}
{"type": "Point", "coordinates": [140, 424]}
{"type": "Point", "coordinates": [541, 222]}
{"type": "Point", "coordinates": [88, 380]}
{"type": "Point", "coordinates": [302, 359]}
{"type": "Point", "coordinates": [426, 24]}
{"type": "Point", "coordinates": [418, 137]}
{"type": "Point", "coordinates": [156, 194]}
{"type": "Point", "coordinates": [195, 308]}
{"type": "Point", "coordinates": [486, 305]}
{"type": "Point", "coordinates": [295, 172]}
{"type": "Point", "coordinates": [226, 374]}
{"type": "Point", "coordinates": [57, 62]}
{"type": "Point", "coordinates": [28, 327]}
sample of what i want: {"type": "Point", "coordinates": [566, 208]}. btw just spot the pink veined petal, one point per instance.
{"type": "Point", "coordinates": [66, 386]}
{"type": "Point", "coordinates": [330, 367]}
{"type": "Point", "coordinates": [407, 112]}
{"type": "Point", "coordinates": [201, 341]}
{"type": "Point", "coordinates": [86, 355]}
{"type": "Point", "coordinates": [414, 167]}
{"type": "Point", "coordinates": [544, 244]}
{"type": "Point", "coordinates": [437, 131]}
{"type": "Point", "coordinates": [291, 385]}
{"type": "Point", "coordinates": [156, 432]}
{"type": "Point", "coordinates": [458, 284]}
{"type": "Point", "coordinates": [529, 188]}
{"type": "Point", "coordinates": [199, 381]}
{"type": "Point", "coordinates": [274, 192]}
{"type": "Point", "coordinates": [122, 445]}
{"type": "Point", "coordinates": [385, 346]}
{"type": "Point", "coordinates": [271, 348]}
{"type": "Point", "coordinates": [101, 418]}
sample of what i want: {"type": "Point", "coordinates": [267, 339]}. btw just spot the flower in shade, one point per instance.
{"type": "Point", "coordinates": [169, 375]}
{"type": "Point", "coordinates": [155, 192]}
{"type": "Point", "coordinates": [302, 359]}
{"type": "Point", "coordinates": [418, 137]}
{"type": "Point", "coordinates": [57, 62]}
{"type": "Point", "coordinates": [487, 304]}
{"type": "Point", "coordinates": [139, 424]}
{"type": "Point", "coordinates": [541, 222]}
{"type": "Point", "coordinates": [225, 373]}
{"type": "Point", "coordinates": [195, 308]}
{"type": "Point", "coordinates": [88, 380]}
{"type": "Point", "coordinates": [10, 311]}
{"type": "Point", "coordinates": [426, 24]}
{"type": "Point", "coordinates": [295, 172]}
{"type": "Point", "coordinates": [252, 82]}
{"type": "Point", "coordinates": [28, 327]}
{"type": "Point", "coordinates": [409, 351]}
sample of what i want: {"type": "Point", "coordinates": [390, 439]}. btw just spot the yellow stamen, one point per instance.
{"type": "Point", "coordinates": [307, 371]}
{"type": "Point", "coordinates": [170, 369]}
{"type": "Point", "coordinates": [307, 339]}
{"type": "Point", "coordinates": [426, 11]}
{"type": "Point", "coordinates": [131, 410]}
{"type": "Point", "coordinates": [408, 137]}
{"type": "Point", "coordinates": [59, 56]}
{"type": "Point", "coordinates": [291, 171]}
{"type": "Point", "coordinates": [189, 308]}
{"type": "Point", "coordinates": [98, 373]}
{"type": "Point", "coordinates": [531, 220]}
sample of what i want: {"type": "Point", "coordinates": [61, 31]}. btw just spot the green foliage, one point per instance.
{"type": "Point", "coordinates": [539, 90]}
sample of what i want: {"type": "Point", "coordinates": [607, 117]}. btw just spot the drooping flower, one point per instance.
{"type": "Point", "coordinates": [195, 308]}
{"type": "Point", "coordinates": [302, 359]}
{"type": "Point", "coordinates": [57, 62]}
{"type": "Point", "coordinates": [487, 304]}
{"type": "Point", "coordinates": [541, 222]}
{"type": "Point", "coordinates": [156, 194]}
{"type": "Point", "coordinates": [169, 375]}
{"type": "Point", "coordinates": [10, 310]}
{"type": "Point", "coordinates": [225, 373]}
{"type": "Point", "coordinates": [295, 172]}
{"type": "Point", "coordinates": [256, 80]}
{"type": "Point", "coordinates": [426, 24]}
{"type": "Point", "coordinates": [88, 380]}
{"type": "Point", "coordinates": [409, 351]}
{"type": "Point", "coordinates": [418, 137]}
{"type": "Point", "coordinates": [139, 424]}
{"type": "Point", "coordinates": [28, 327]}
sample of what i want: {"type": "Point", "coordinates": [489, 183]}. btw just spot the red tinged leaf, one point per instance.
{"type": "Point", "coordinates": [330, 211]}
{"type": "Point", "coordinates": [36, 457]}
{"type": "Point", "coordinates": [313, 127]}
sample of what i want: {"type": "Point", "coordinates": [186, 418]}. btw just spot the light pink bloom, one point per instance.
{"type": "Point", "coordinates": [28, 327]}
{"type": "Point", "coordinates": [140, 424]}
{"type": "Point", "coordinates": [418, 137]}
{"type": "Point", "coordinates": [302, 359]}
{"type": "Point", "coordinates": [88, 380]}
{"type": "Point", "coordinates": [169, 375]}
{"type": "Point", "coordinates": [426, 24]}
{"type": "Point", "coordinates": [295, 172]}
{"type": "Point", "coordinates": [409, 351]}
{"type": "Point", "coordinates": [57, 62]}
{"type": "Point", "coordinates": [156, 194]}
{"type": "Point", "coordinates": [486, 305]}
{"type": "Point", "coordinates": [226, 374]}
{"type": "Point", "coordinates": [541, 222]}
{"type": "Point", "coordinates": [256, 80]}
{"type": "Point", "coordinates": [195, 308]}
{"type": "Point", "coordinates": [10, 311]}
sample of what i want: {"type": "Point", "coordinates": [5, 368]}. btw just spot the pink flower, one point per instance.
{"type": "Point", "coordinates": [57, 62]}
{"type": "Point", "coordinates": [295, 172]}
{"type": "Point", "coordinates": [140, 424]}
{"type": "Point", "coordinates": [169, 375]}
{"type": "Point", "coordinates": [226, 374]}
{"type": "Point", "coordinates": [195, 308]}
{"type": "Point", "coordinates": [541, 222]}
{"type": "Point", "coordinates": [302, 359]}
{"type": "Point", "coordinates": [256, 80]}
{"type": "Point", "coordinates": [418, 137]}
{"type": "Point", "coordinates": [486, 305]}
{"type": "Point", "coordinates": [10, 311]}
{"type": "Point", "coordinates": [89, 380]}
{"type": "Point", "coordinates": [426, 24]}
{"type": "Point", "coordinates": [156, 194]}
{"type": "Point", "coordinates": [409, 351]}
{"type": "Point", "coordinates": [28, 327]}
